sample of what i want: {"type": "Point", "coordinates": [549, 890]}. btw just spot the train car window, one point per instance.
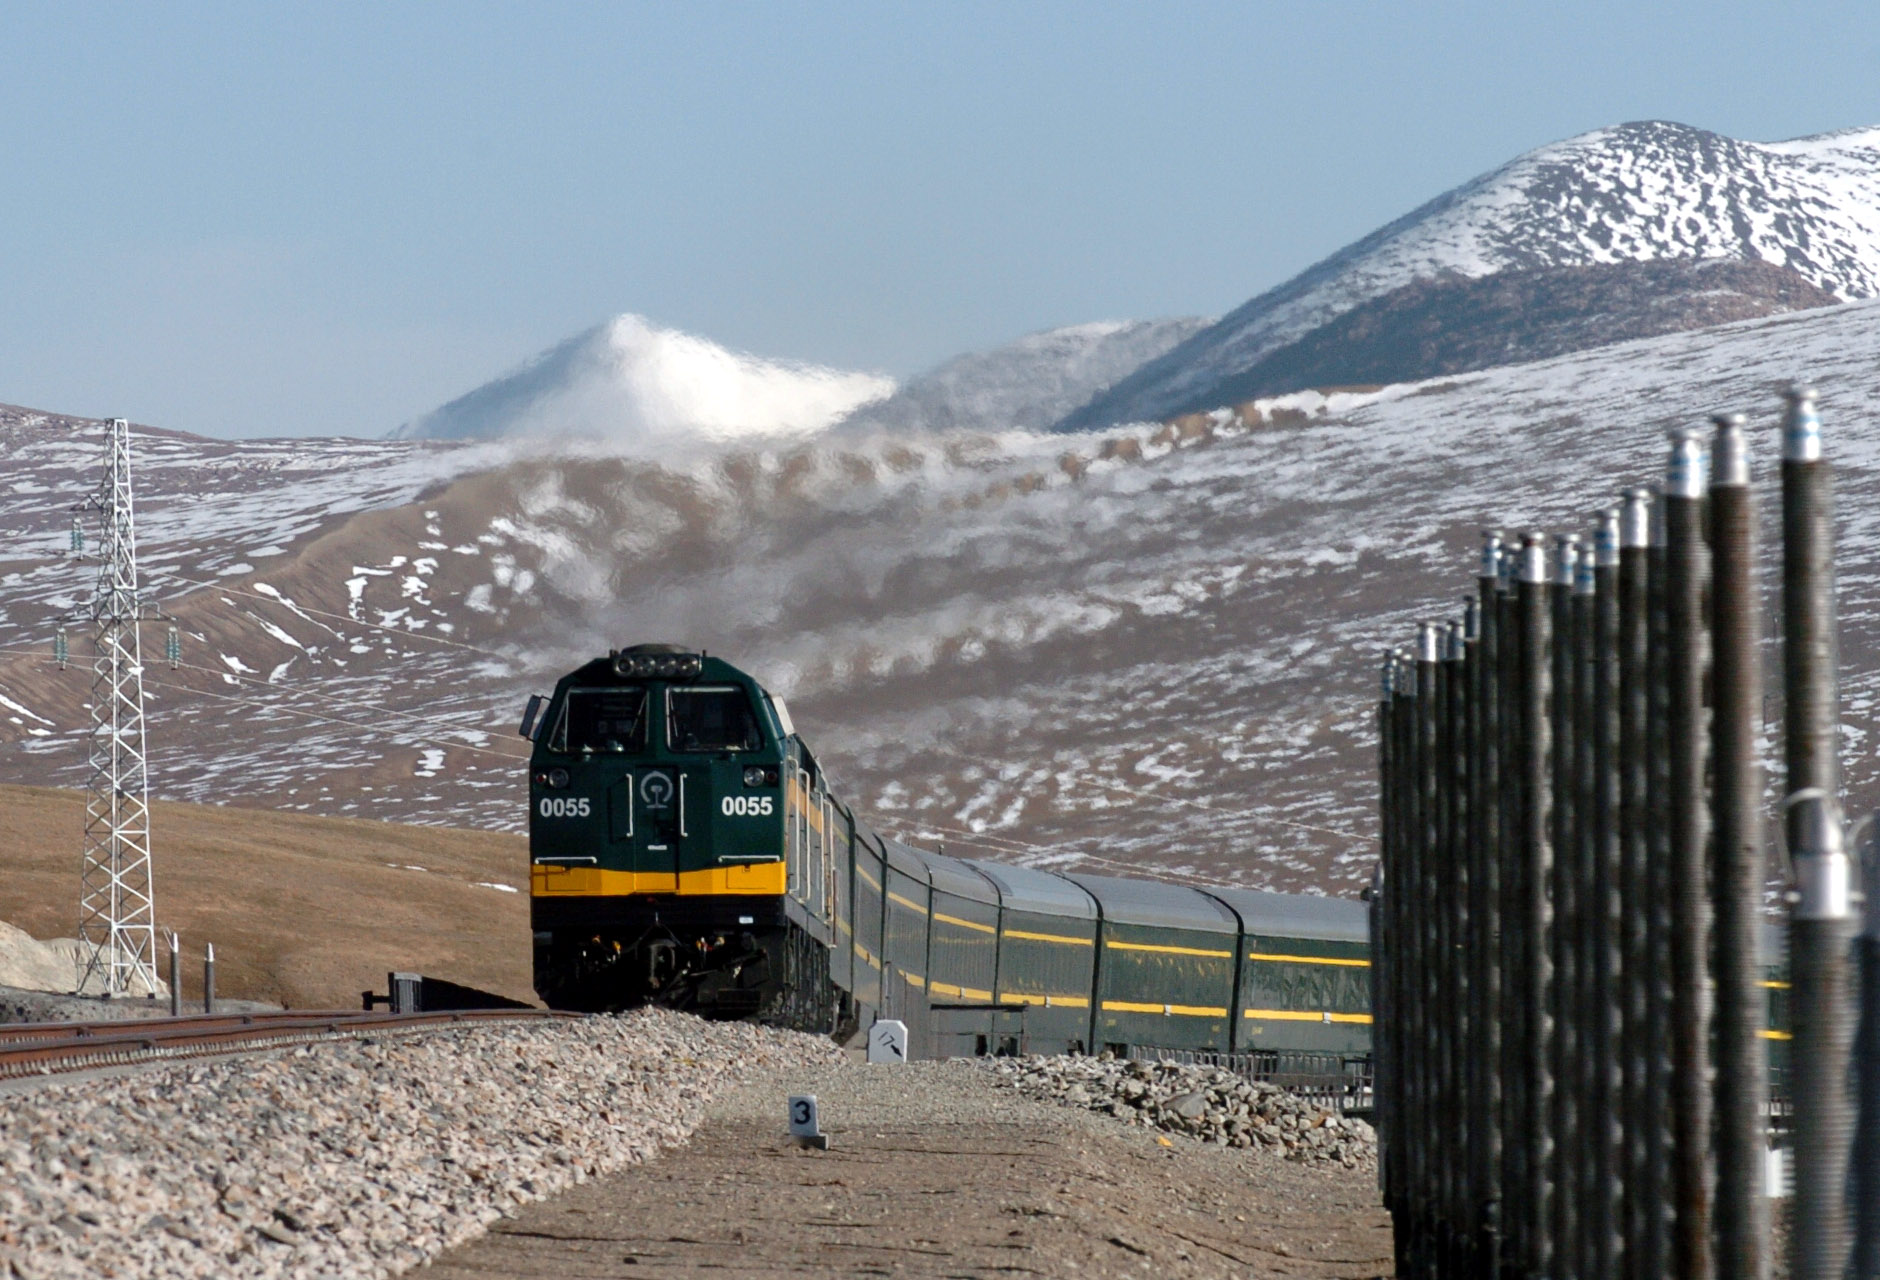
{"type": "Point", "coordinates": [711, 719]}
{"type": "Point", "coordinates": [612, 720]}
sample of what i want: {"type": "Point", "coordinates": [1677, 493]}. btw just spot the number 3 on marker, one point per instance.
{"type": "Point", "coordinates": [804, 1122]}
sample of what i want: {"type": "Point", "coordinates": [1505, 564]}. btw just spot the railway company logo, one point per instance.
{"type": "Point", "coordinates": [656, 790]}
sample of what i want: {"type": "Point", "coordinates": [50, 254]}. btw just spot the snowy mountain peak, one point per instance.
{"type": "Point", "coordinates": [630, 382]}
{"type": "Point", "coordinates": [1029, 383]}
{"type": "Point", "coordinates": [1643, 191]}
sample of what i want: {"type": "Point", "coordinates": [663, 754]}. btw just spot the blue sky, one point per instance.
{"type": "Point", "coordinates": [252, 219]}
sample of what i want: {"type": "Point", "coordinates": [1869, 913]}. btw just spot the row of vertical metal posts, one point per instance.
{"type": "Point", "coordinates": [1571, 993]}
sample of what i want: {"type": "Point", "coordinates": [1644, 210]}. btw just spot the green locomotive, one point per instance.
{"type": "Point", "coordinates": [686, 851]}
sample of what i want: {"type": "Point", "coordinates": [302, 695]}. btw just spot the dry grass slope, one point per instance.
{"type": "Point", "coordinates": [304, 911]}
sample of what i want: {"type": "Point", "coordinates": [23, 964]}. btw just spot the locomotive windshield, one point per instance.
{"type": "Point", "coordinates": [711, 719]}
{"type": "Point", "coordinates": [602, 720]}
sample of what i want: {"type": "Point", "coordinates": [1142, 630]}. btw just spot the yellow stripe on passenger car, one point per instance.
{"type": "Point", "coordinates": [1776, 1035]}
{"type": "Point", "coordinates": [1172, 951]}
{"type": "Point", "coordinates": [965, 993]}
{"type": "Point", "coordinates": [1055, 1002]}
{"type": "Point", "coordinates": [914, 978]}
{"type": "Point", "coordinates": [549, 880]}
{"type": "Point", "coordinates": [867, 878]}
{"type": "Point", "coordinates": [911, 906]}
{"type": "Point", "coordinates": [1774, 986]}
{"type": "Point", "coordinates": [1179, 1010]}
{"type": "Point", "coordinates": [1305, 1015]}
{"type": "Point", "coordinates": [964, 924]}
{"type": "Point", "coordinates": [1356, 964]}
{"type": "Point", "coordinates": [1051, 937]}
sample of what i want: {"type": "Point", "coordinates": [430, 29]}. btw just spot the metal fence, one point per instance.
{"type": "Point", "coordinates": [1335, 1081]}
{"type": "Point", "coordinates": [1573, 1009]}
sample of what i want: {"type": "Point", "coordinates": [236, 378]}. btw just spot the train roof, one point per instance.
{"type": "Point", "coordinates": [906, 859]}
{"type": "Point", "coordinates": [1285, 915]}
{"type": "Point", "coordinates": [1157, 904]}
{"type": "Point", "coordinates": [1028, 889]}
{"type": "Point", "coordinates": [951, 875]}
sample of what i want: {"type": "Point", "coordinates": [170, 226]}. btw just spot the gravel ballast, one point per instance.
{"type": "Point", "coordinates": [351, 1158]}
{"type": "Point", "coordinates": [1207, 1104]}
{"type": "Point", "coordinates": [938, 1170]}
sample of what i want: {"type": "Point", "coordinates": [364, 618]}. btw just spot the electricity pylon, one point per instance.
{"type": "Point", "coordinates": [116, 905]}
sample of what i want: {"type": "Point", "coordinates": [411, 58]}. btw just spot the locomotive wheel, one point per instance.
{"type": "Point", "coordinates": [806, 998]}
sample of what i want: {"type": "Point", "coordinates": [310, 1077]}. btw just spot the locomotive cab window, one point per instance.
{"type": "Point", "coordinates": [713, 718]}
{"type": "Point", "coordinates": [610, 720]}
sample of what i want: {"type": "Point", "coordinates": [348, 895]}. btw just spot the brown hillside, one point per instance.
{"type": "Point", "coordinates": [304, 911]}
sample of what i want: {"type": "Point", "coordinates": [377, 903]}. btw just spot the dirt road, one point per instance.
{"type": "Point", "coordinates": [936, 1169]}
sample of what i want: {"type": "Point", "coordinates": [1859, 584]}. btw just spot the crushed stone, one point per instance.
{"type": "Point", "coordinates": [1208, 1104]}
{"type": "Point", "coordinates": [354, 1158]}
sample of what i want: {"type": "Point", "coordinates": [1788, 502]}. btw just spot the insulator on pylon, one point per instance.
{"type": "Point", "coordinates": [60, 649]}
{"type": "Point", "coordinates": [173, 646]}
{"type": "Point", "coordinates": [78, 535]}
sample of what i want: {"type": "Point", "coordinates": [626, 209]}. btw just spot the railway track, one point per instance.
{"type": "Point", "coordinates": [50, 1048]}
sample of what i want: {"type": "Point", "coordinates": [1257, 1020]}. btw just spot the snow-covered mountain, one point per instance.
{"type": "Point", "coordinates": [1640, 191]}
{"type": "Point", "coordinates": [1030, 383]}
{"type": "Point", "coordinates": [1152, 647]}
{"type": "Point", "coordinates": [1453, 324]}
{"type": "Point", "coordinates": [631, 383]}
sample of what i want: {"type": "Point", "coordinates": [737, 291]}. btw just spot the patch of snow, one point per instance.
{"type": "Point", "coordinates": [11, 705]}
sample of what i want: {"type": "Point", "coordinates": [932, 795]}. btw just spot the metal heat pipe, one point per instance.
{"type": "Point", "coordinates": [1485, 874]}
{"type": "Point", "coordinates": [1515, 1011]}
{"type": "Point", "coordinates": [1387, 1071]}
{"type": "Point", "coordinates": [1687, 660]}
{"type": "Point", "coordinates": [1742, 1205]}
{"type": "Point", "coordinates": [1605, 1198]}
{"type": "Point", "coordinates": [1424, 845]}
{"type": "Point", "coordinates": [1455, 915]}
{"type": "Point", "coordinates": [1822, 909]}
{"type": "Point", "coordinates": [1535, 857]}
{"type": "Point", "coordinates": [1866, 1153]}
{"type": "Point", "coordinates": [1563, 890]}
{"type": "Point", "coordinates": [1655, 1245]}
{"type": "Point", "coordinates": [1634, 648]}
{"type": "Point", "coordinates": [1587, 994]}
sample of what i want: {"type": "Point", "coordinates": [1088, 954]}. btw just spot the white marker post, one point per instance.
{"type": "Point", "coordinates": [887, 1041]}
{"type": "Point", "coordinates": [805, 1124]}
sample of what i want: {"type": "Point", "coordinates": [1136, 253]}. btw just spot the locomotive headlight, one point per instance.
{"type": "Point", "coordinates": [658, 666]}
{"type": "Point", "coordinates": [557, 778]}
{"type": "Point", "coordinates": [754, 776]}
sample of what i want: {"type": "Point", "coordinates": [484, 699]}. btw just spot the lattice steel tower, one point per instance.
{"type": "Point", "coordinates": [116, 906]}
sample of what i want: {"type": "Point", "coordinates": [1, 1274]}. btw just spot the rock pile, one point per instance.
{"type": "Point", "coordinates": [54, 965]}
{"type": "Point", "coordinates": [355, 1158]}
{"type": "Point", "coordinates": [1204, 1103]}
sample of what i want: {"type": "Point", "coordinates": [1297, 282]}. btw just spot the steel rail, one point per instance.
{"type": "Point", "coordinates": [29, 1049]}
